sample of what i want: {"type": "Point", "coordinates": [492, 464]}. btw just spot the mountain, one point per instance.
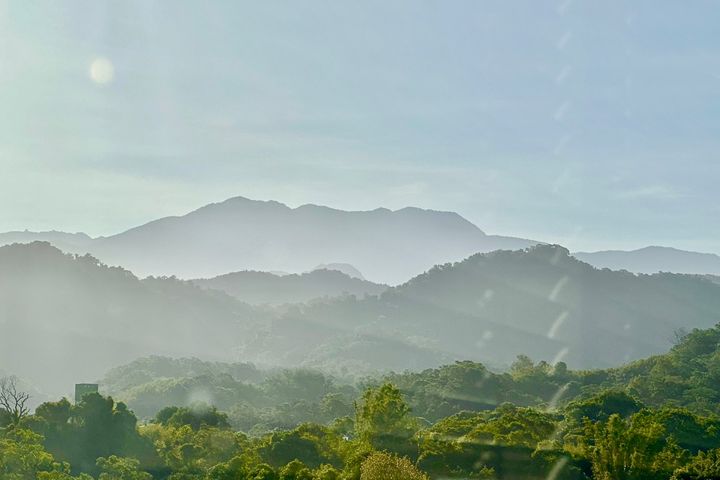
{"type": "Point", "coordinates": [242, 234]}
{"type": "Point", "coordinates": [66, 319]}
{"type": "Point", "coordinates": [67, 242]}
{"type": "Point", "coordinates": [345, 268]}
{"type": "Point", "coordinates": [265, 288]}
{"type": "Point", "coordinates": [491, 307]}
{"type": "Point", "coordinates": [653, 260]}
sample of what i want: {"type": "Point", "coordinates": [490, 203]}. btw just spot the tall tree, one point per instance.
{"type": "Point", "coordinates": [383, 419]}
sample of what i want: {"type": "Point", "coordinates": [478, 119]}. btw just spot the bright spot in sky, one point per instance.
{"type": "Point", "coordinates": [102, 71]}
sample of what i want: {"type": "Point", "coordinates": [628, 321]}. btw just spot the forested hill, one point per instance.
{"type": "Point", "coordinates": [267, 288]}
{"type": "Point", "coordinates": [67, 319]}
{"type": "Point", "coordinates": [684, 376]}
{"type": "Point", "coordinates": [602, 316]}
{"type": "Point", "coordinates": [491, 307]}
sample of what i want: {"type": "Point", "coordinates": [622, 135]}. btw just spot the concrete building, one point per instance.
{"type": "Point", "coordinates": [82, 389]}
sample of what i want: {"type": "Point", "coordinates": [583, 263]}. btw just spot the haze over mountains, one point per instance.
{"type": "Point", "coordinates": [242, 234]}
{"type": "Point", "coordinates": [654, 259]}
{"type": "Point", "coordinates": [260, 288]}
{"type": "Point", "coordinates": [387, 246]}
{"type": "Point", "coordinates": [65, 319]}
{"type": "Point", "coordinates": [525, 298]}
{"type": "Point", "coordinates": [490, 307]}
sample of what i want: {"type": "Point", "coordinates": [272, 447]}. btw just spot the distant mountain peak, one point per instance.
{"type": "Point", "coordinates": [654, 259]}
{"type": "Point", "coordinates": [240, 233]}
{"type": "Point", "coordinates": [345, 268]}
{"type": "Point", "coordinates": [239, 201]}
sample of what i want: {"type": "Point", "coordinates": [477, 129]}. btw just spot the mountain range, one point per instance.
{"type": "Point", "coordinates": [68, 318]}
{"type": "Point", "coordinates": [259, 288]}
{"type": "Point", "coordinates": [389, 247]}
{"type": "Point", "coordinates": [654, 259]}
{"type": "Point", "coordinates": [491, 307]}
{"type": "Point", "coordinates": [241, 234]}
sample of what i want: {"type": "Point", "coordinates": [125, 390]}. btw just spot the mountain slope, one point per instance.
{"type": "Point", "coordinates": [654, 259]}
{"type": "Point", "coordinates": [602, 316]}
{"type": "Point", "coordinates": [242, 234]}
{"type": "Point", "coordinates": [66, 319]}
{"type": "Point", "coordinates": [491, 307]}
{"type": "Point", "coordinates": [345, 268]}
{"type": "Point", "coordinates": [265, 288]}
{"type": "Point", "coordinates": [67, 242]}
{"type": "Point", "coordinates": [80, 317]}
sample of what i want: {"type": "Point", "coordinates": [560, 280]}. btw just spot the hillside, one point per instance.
{"type": "Point", "coordinates": [653, 260]}
{"type": "Point", "coordinates": [491, 307]}
{"type": "Point", "coordinates": [345, 268]}
{"type": "Point", "coordinates": [685, 375]}
{"type": "Point", "coordinates": [265, 288]}
{"type": "Point", "coordinates": [67, 242]}
{"type": "Point", "coordinates": [488, 308]}
{"type": "Point", "coordinates": [55, 306]}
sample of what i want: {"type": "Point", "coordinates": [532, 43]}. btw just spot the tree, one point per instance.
{"type": "Point", "coordinates": [385, 466]}
{"type": "Point", "coordinates": [704, 466]}
{"type": "Point", "coordinates": [512, 426]}
{"type": "Point", "coordinates": [196, 416]}
{"type": "Point", "coordinates": [262, 472]}
{"type": "Point", "coordinates": [600, 406]}
{"type": "Point", "coordinates": [22, 456]}
{"type": "Point", "coordinates": [118, 468]}
{"type": "Point", "coordinates": [295, 470]}
{"type": "Point", "coordinates": [633, 449]}
{"type": "Point", "coordinates": [96, 427]}
{"type": "Point", "coordinates": [383, 418]}
{"type": "Point", "coordinates": [13, 400]}
{"type": "Point", "coordinates": [326, 472]}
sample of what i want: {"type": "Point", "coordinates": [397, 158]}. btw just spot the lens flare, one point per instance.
{"type": "Point", "coordinates": [102, 71]}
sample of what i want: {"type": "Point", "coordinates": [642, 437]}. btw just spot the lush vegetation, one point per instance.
{"type": "Point", "coordinates": [652, 419]}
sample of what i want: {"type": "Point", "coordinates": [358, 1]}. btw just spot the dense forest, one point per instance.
{"type": "Point", "coordinates": [656, 418]}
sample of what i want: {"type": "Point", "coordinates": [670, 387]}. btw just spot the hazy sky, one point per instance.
{"type": "Point", "coordinates": [592, 124]}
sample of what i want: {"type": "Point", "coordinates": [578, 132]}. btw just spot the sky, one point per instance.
{"type": "Point", "coordinates": [591, 124]}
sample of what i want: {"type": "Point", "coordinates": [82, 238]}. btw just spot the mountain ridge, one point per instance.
{"type": "Point", "coordinates": [264, 288]}
{"type": "Point", "coordinates": [389, 246]}
{"type": "Point", "coordinates": [654, 258]}
{"type": "Point", "coordinates": [242, 234]}
{"type": "Point", "coordinates": [489, 307]}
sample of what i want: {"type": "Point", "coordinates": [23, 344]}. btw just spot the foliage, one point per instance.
{"type": "Point", "coordinates": [116, 468]}
{"type": "Point", "coordinates": [631, 449]}
{"type": "Point", "coordinates": [704, 466]}
{"type": "Point", "coordinates": [22, 456]}
{"type": "Point", "coordinates": [199, 415]}
{"type": "Point", "coordinates": [295, 470]}
{"type": "Point", "coordinates": [97, 427]}
{"type": "Point", "coordinates": [384, 466]}
{"type": "Point", "coordinates": [383, 419]}
{"type": "Point", "coordinates": [603, 430]}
